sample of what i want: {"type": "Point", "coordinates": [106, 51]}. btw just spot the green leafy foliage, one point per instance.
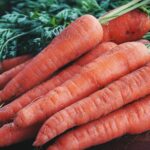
{"type": "Point", "coordinates": [30, 25]}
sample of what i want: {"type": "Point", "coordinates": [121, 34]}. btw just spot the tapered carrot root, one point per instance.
{"type": "Point", "coordinates": [111, 66]}
{"type": "Point", "coordinates": [12, 62]}
{"type": "Point", "coordinates": [132, 119]}
{"type": "Point", "coordinates": [11, 134]}
{"type": "Point", "coordinates": [10, 74]}
{"type": "Point", "coordinates": [131, 26]}
{"type": "Point", "coordinates": [112, 97]}
{"type": "Point", "coordinates": [10, 110]}
{"type": "Point", "coordinates": [79, 37]}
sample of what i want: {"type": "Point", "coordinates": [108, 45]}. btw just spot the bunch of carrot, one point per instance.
{"type": "Point", "coordinates": [79, 79]}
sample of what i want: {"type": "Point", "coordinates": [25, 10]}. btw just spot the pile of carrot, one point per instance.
{"type": "Point", "coordinates": [83, 79]}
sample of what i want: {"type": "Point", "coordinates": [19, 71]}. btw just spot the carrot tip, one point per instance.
{"type": "Point", "coordinates": [35, 144]}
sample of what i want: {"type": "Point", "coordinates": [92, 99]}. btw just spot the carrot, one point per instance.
{"type": "Point", "coordinates": [79, 37]}
{"type": "Point", "coordinates": [103, 70]}
{"type": "Point", "coordinates": [8, 75]}
{"type": "Point", "coordinates": [11, 134]}
{"type": "Point", "coordinates": [12, 62]}
{"type": "Point", "coordinates": [84, 34]}
{"type": "Point", "coordinates": [131, 26]}
{"type": "Point", "coordinates": [10, 110]}
{"type": "Point", "coordinates": [102, 102]}
{"type": "Point", "coordinates": [132, 119]}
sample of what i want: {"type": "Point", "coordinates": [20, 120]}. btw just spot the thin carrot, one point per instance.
{"type": "Point", "coordinates": [103, 70]}
{"type": "Point", "coordinates": [132, 119]}
{"type": "Point", "coordinates": [11, 134]}
{"type": "Point", "coordinates": [85, 33]}
{"type": "Point", "coordinates": [79, 37]}
{"type": "Point", "coordinates": [102, 102]}
{"type": "Point", "coordinates": [9, 111]}
{"type": "Point", "coordinates": [10, 74]}
{"type": "Point", "coordinates": [12, 62]}
{"type": "Point", "coordinates": [131, 26]}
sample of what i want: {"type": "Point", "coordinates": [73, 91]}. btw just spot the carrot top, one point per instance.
{"type": "Point", "coordinates": [134, 4]}
{"type": "Point", "coordinates": [147, 36]}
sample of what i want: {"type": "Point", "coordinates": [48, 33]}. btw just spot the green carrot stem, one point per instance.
{"type": "Point", "coordinates": [147, 36]}
{"type": "Point", "coordinates": [134, 4]}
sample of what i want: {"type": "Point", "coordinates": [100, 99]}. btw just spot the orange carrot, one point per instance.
{"type": "Point", "coordinates": [8, 75]}
{"type": "Point", "coordinates": [12, 62]}
{"type": "Point", "coordinates": [128, 27]}
{"type": "Point", "coordinates": [102, 102]}
{"type": "Point", "coordinates": [103, 70]}
{"type": "Point", "coordinates": [10, 110]}
{"type": "Point", "coordinates": [79, 37]}
{"type": "Point", "coordinates": [11, 134]}
{"type": "Point", "coordinates": [133, 119]}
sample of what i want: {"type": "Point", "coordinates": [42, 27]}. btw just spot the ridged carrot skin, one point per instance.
{"type": "Point", "coordinates": [10, 74]}
{"type": "Point", "coordinates": [12, 62]}
{"type": "Point", "coordinates": [131, 26]}
{"type": "Point", "coordinates": [111, 66]}
{"type": "Point", "coordinates": [133, 119]}
{"type": "Point", "coordinates": [11, 134]}
{"type": "Point", "coordinates": [9, 111]}
{"type": "Point", "coordinates": [78, 38]}
{"type": "Point", "coordinates": [102, 102]}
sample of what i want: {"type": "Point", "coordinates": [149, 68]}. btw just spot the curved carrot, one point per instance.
{"type": "Point", "coordinates": [8, 75]}
{"type": "Point", "coordinates": [102, 102]}
{"type": "Point", "coordinates": [9, 111]}
{"type": "Point", "coordinates": [131, 26]}
{"type": "Point", "coordinates": [133, 119]}
{"type": "Point", "coordinates": [79, 37]}
{"type": "Point", "coordinates": [12, 62]}
{"type": "Point", "coordinates": [112, 65]}
{"type": "Point", "coordinates": [11, 134]}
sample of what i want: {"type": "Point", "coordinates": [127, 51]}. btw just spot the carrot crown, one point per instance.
{"type": "Point", "coordinates": [134, 4]}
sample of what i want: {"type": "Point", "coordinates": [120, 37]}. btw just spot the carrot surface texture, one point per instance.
{"type": "Point", "coordinates": [103, 70]}
{"type": "Point", "coordinates": [85, 33]}
{"type": "Point", "coordinates": [9, 111]}
{"type": "Point", "coordinates": [10, 74]}
{"type": "Point", "coordinates": [12, 62]}
{"type": "Point", "coordinates": [119, 93]}
{"type": "Point", "coordinates": [11, 134]}
{"type": "Point", "coordinates": [131, 26]}
{"type": "Point", "coordinates": [132, 119]}
{"type": "Point", "coordinates": [79, 37]}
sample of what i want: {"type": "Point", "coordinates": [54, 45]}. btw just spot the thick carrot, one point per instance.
{"type": "Point", "coordinates": [103, 70]}
{"type": "Point", "coordinates": [9, 111]}
{"type": "Point", "coordinates": [12, 62]}
{"type": "Point", "coordinates": [79, 37]}
{"type": "Point", "coordinates": [11, 134]}
{"type": "Point", "coordinates": [132, 119]}
{"type": "Point", "coordinates": [102, 102]}
{"type": "Point", "coordinates": [128, 27]}
{"type": "Point", "coordinates": [10, 74]}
